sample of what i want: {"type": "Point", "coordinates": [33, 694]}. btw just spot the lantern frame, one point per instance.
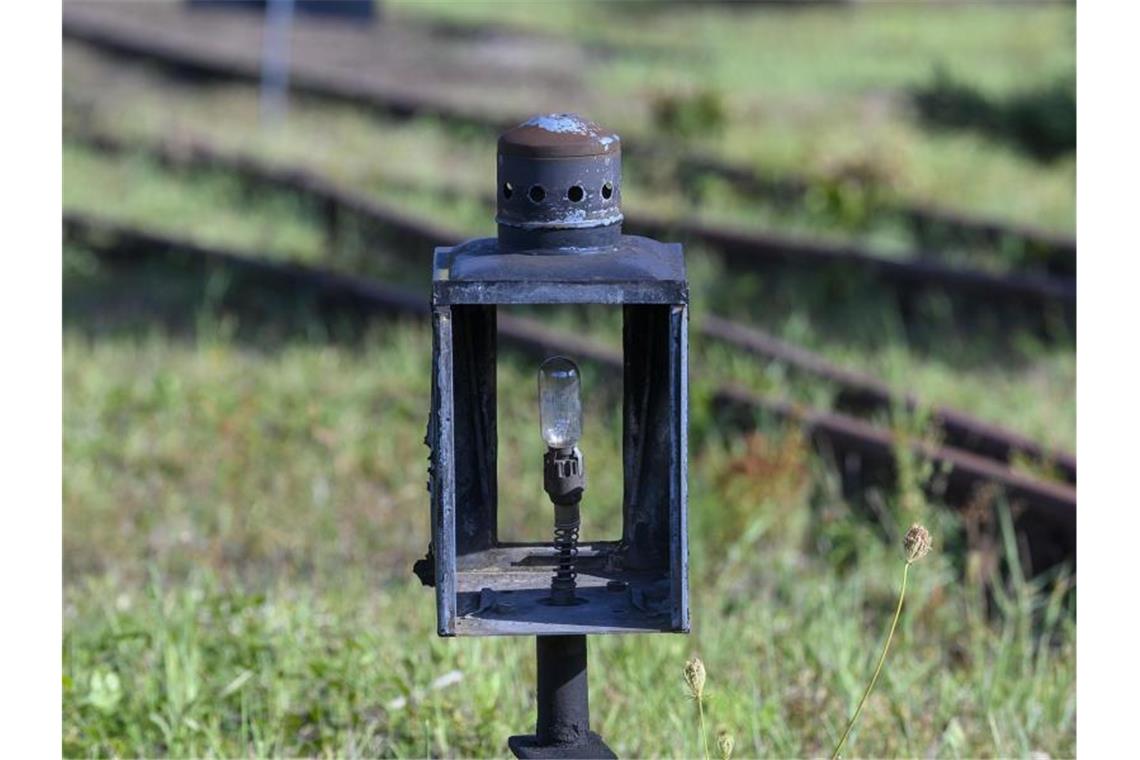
{"type": "Point", "coordinates": [637, 584]}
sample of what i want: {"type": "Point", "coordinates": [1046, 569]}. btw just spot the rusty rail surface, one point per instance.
{"type": "Point", "coordinates": [1059, 250]}
{"type": "Point", "coordinates": [1047, 510]}
{"type": "Point", "coordinates": [858, 392]}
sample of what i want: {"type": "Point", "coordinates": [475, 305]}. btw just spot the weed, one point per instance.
{"type": "Point", "coordinates": [690, 116]}
{"type": "Point", "coordinates": [725, 743]}
{"type": "Point", "coordinates": [695, 681]}
{"type": "Point", "coordinates": [916, 545]}
{"type": "Point", "coordinates": [1041, 121]}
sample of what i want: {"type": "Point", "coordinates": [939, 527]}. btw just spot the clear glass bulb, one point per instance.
{"type": "Point", "coordinates": [560, 402]}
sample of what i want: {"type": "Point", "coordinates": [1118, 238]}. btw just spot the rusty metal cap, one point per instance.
{"type": "Point", "coordinates": [559, 172]}
{"type": "Point", "coordinates": [558, 135]}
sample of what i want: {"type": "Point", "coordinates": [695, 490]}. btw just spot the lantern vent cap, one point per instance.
{"type": "Point", "coordinates": [559, 135]}
{"type": "Point", "coordinates": [559, 185]}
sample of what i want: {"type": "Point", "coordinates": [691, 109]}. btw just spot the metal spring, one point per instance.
{"type": "Point", "coordinates": [566, 544]}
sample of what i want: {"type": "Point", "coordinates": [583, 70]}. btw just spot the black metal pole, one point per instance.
{"type": "Point", "coordinates": [563, 690]}
{"type": "Point", "coordinates": [562, 729]}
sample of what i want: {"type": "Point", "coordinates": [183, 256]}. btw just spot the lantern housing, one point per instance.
{"type": "Point", "coordinates": [559, 242]}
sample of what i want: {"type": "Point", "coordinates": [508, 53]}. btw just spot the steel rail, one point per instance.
{"type": "Point", "coordinates": [171, 52]}
{"type": "Point", "coordinates": [1048, 509]}
{"type": "Point", "coordinates": [858, 392]}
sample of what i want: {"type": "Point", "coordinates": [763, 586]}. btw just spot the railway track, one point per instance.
{"type": "Point", "coordinates": [931, 225]}
{"type": "Point", "coordinates": [1034, 298]}
{"type": "Point", "coordinates": [752, 251]}
{"type": "Point", "coordinates": [407, 233]}
{"type": "Point", "coordinates": [977, 292]}
{"type": "Point", "coordinates": [861, 394]}
{"type": "Point", "coordinates": [169, 49]}
{"type": "Point", "coordinates": [1046, 511]}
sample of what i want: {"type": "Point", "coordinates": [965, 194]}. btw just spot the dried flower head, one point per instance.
{"type": "Point", "coordinates": [695, 677]}
{"type": "Point", "coordinates": [725, 744]}
{"type": "Point", "coordinates": [916, 543]}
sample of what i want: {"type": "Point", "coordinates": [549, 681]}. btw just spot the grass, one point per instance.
{"type": "Point", "coordinates": [216, 208]}
{"type": "Point", "coordinates": [240, 523]}
{"type": "Point", "coordinates": [989, 44]}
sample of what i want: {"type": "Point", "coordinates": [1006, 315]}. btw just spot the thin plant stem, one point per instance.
{"type": "Point", "coordinates": [704, 736]}
{"type": "Point", "coordinates": [878, 668]}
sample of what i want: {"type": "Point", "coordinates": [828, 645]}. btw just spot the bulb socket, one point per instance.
{"type": "Point", "coordinates": [564, 475]}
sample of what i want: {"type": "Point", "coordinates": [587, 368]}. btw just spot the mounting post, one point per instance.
{"type": "Point", "coordinates": [562, 729]}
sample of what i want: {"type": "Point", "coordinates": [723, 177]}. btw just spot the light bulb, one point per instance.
{"type": "Point", "coordinates": [559, 402]}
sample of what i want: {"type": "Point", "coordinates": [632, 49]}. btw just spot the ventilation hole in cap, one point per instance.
{"type": "Point", "coordinates": [607, 190]}
{"type": "Point", "coordinates": [536, 194]}
{"type": "Point", "coordinates": [576, 194]}
{"type": "Point", "coordinates": [508, 190]}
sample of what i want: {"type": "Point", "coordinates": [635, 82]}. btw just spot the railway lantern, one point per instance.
{"type": "Point", "coordinates": [559, 242]}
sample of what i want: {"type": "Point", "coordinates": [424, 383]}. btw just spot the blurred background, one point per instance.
{"type": "Point", "coordinates": [878, 208]}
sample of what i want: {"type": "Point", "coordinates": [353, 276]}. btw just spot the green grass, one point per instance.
{"type": "Point", "coordinates": [240, 523]}
{"type": "Point", "coordinates": [826, 49]}
{"type": "Point", "coordinates": [215, 209]}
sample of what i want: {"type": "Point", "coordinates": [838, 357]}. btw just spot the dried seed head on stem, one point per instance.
{"type": "Point", "coordinates": [695, 677]}
{"type": "Point", "coordinates": [916, 543]}
{"type": "Point", "coordinates": [725, 744]}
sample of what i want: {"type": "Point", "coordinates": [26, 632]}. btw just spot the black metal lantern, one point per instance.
{"type": "Point", "coordinates": [559, 242]}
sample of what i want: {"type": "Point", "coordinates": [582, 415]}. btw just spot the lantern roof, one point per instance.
{"type": "Point", "coordinates": [633, 270]}
{"type": "Point", "coordinates": [559, 135]}
{"type": "Point", "coordinates": [559, 218]}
